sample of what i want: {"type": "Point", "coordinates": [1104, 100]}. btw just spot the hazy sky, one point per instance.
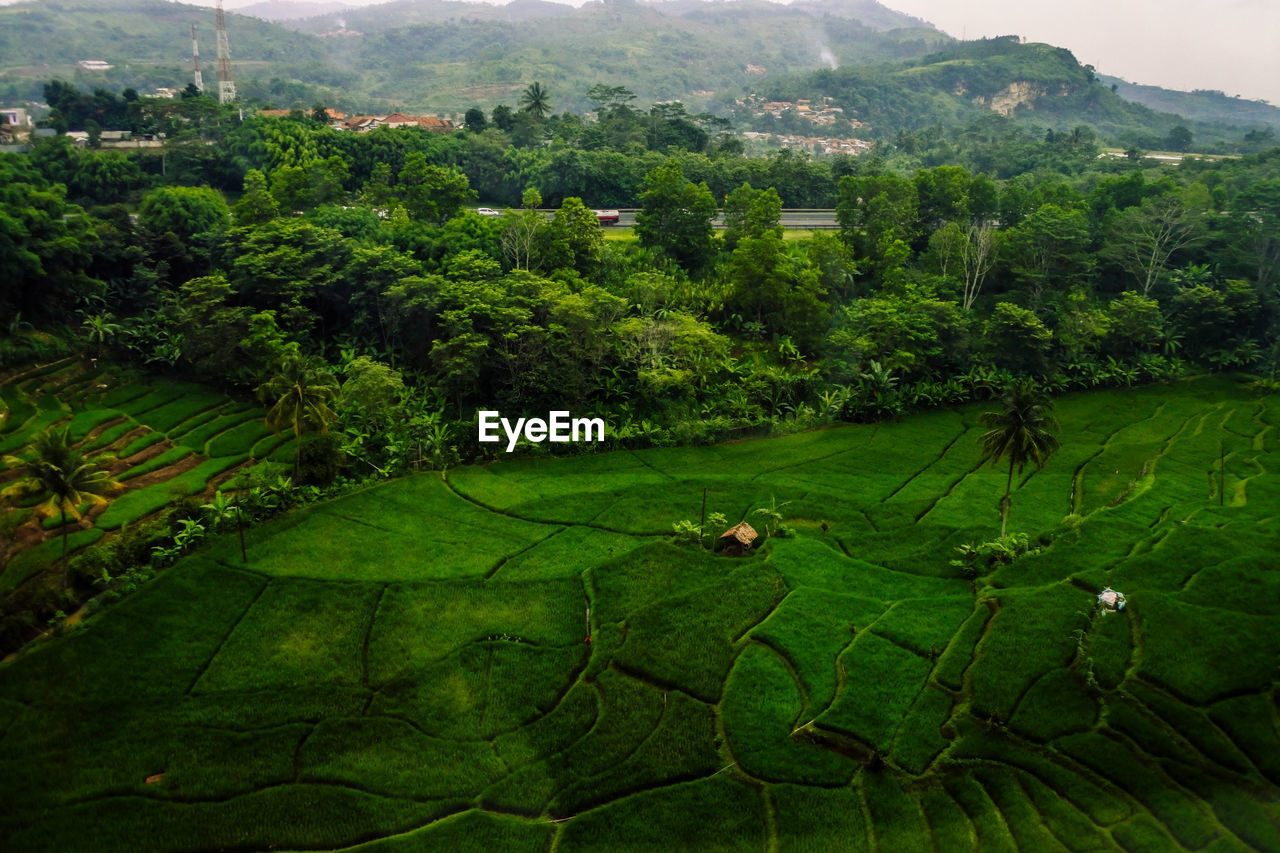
{"type": "Point", "coordinates": [1232, 45]}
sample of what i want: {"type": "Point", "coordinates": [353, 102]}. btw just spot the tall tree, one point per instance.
{"type": "Point", "coordinates": [475, 120]}
{"type": "Point", "coordinates": [535, 100]}
{"type": "Point", "coordinates": [1146, 236]}
{"type": "Point", "coordinates": [977, 256]}
{"type": "Point", "coordinates": [1049, 249]}
{"type": "Point", "coordinates": [300, 393]}
{"type": "Point", "coordinates": [66, 478]}
{"type": "Point", "coordinates": [873, 211]}
{"type": "Point", "coordinates": [183, 225]}
{"type": "Point", "coordinates": [257, 205]}
{"type": "Point", "coordinates": [675, 216]}
{"type": "Point", "coordinates": [432, 193]}
{"type": "Point", "coordinates": [48, 246]}
{"type": "Point", "coordinates": [1023, 430]}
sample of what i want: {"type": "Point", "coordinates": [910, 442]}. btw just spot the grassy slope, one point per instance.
{"type": "Point", "coordinates": [405, 668]}
{"type": "Point", "coordinates": [112, 425]}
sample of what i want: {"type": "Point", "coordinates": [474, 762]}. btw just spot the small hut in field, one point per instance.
{"type": "Point", "coordinates": [738, 540]}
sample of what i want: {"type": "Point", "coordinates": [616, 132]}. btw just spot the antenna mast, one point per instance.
{"type": "Point", "coordinates": [195, 58]}
{"type": "Point", "coordinates": [226, 85]}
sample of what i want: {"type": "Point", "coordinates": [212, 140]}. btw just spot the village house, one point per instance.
{"type": "Point", "coordinates": [364, 124]}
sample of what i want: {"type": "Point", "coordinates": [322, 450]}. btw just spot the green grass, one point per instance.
{"type": "Point", "coordinates": [155, 463]}
{"type": "Point", "coordinates": [190, 405]}
{"type": "Point", "coordinates": [18, 408]}
{"type": "Point", "coordinates": [110, 436]}
{"type": "Point", "coordinates": [881, 682]}
{"type": "Point", "coordinates": [295, 633]}
{"type": "Point", "coordinates": [762, 707]}
{"type": "Point", "coordinates": [519, 657]}
{"type": "Point", "coordinates": [141, 443]}
{"type": "Point", "coordinates": [138, 504]}
{"type": "Point", "coordinates": [40, 557]}
{"type": "Point", "coordinates": [65, 394]}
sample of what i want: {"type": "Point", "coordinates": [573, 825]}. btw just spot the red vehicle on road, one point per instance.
{"type": "Point", "coordinates": [607, 217]}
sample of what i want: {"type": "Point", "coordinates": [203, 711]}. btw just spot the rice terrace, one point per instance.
{"type": "Point", "coordinates": [521, 655]}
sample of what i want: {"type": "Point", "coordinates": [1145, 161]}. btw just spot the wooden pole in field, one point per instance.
{"type": "Point", "coordinates": [703, 519]}
{"type": "Point", "coordinates": [244, 555]}
{"type": "Point", "coordinates": [1222, 472]}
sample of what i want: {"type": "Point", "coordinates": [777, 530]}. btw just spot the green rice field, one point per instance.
{"type": "Point", "coordinates": [520, 657]}
{"type": "Point", "coordinates": [162, 440]}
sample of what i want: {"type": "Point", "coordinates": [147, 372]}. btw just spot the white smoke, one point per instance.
{"type": "Point", "coordinates": [825, 54]}
{"type": "Point", "coordinates": [342, 23]}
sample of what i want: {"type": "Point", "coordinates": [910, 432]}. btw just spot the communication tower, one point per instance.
{"type": "Point", "coordinates": [195, 58]}
{"type": "Point", "coordinates": [226, 85]}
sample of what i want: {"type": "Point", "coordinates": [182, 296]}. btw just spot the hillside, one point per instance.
{"type": "Point", "coordinates": [403, 13]}
{"type": "Point", "coordinates": [517, 656]}
{"type": "Point", "coordinates": [889, 70]}
{"type": "Point", "coordinates": [147, 41]}
{"type": "Point", "coordinates": [448, 56]}
{"type": "Point", "coordinates": [1200, 105]}
{"type": "Point", "coordinates": [288, 10]}
{"type": "Point", "coordinates": [1034, 83]}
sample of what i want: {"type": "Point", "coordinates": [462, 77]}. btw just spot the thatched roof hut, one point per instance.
{"type": "Point", "coordinates": [1111, 600]}
{"type": "Point", "coordinates": [738, 540]}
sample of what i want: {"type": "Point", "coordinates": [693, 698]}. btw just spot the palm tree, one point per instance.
{"type": "Point", "coordinates": [535, 100]}
{"type": "Point", "coordinates": [99, 329]}
{"type": "Point", "coordinates": [299, 395]}
{"type": "Point", "coordinates": [1023, 431]}
{"type": "Point", "coordinates": [62, 473]}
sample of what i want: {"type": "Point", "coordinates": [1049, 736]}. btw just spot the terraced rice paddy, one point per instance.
{"type": "Point", "coordinates": [517, 657]}
{"type": "Point", "coordinates": [162, 440]}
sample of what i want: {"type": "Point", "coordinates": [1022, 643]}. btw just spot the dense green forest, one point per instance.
{"type": "Point", "coordinates": [1021, 255]}
{"type": "Point", "coordinates": [250, 253]}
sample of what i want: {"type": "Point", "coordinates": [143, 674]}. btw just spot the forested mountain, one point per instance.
{"type": "Point", "coordinates": [1037, 83]}
{"type": "Point", "coordinates": [401, 13]}
{"type": "Point", "coordinates": [1200, 105]}
{"type": "Point", "coordinates": [289, 10]}
{"type": "Point", "coordinates": [891, 72]}
{"type": "Point", "coordinates": [148, 43]}
{"type": "Point", "coordinates": [448, 56]}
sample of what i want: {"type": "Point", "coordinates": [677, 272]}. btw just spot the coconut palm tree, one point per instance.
{"type": "Point", "coordinates": [535, 100]}
{"type": "Point", "coordinates": [1023, 430]}
{"type": "Point", "coordinates": [299, 394]}
{"type": "Point", "coordinates": [100, 329]}
{"type": "Point", "coordinates": [66, 478]}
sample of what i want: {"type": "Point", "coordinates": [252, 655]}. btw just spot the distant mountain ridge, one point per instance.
{"type": "Point", "coordinates": [1033, 83]}
{"type": "Point", "coordinates": [445, 56]}
{"type": "Point", "coordinates": [1200, 105]}
{"type": "Point", "coordinates": [288, 10]}
{"type": "Point", "coordinates": [886, 69]}
{"type": "Point", "coordinates": [400, 13]}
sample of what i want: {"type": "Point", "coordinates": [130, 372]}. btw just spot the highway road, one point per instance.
{"type": "Point", "coordinates": [798, 220]}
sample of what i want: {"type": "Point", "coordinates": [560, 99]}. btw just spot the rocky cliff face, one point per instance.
{"type": "Point", "coordinates": [1017, 94]}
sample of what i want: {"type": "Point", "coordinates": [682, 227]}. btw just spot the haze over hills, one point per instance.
{"type": "Point", "coordinates": [448, 56]}
{"type": "Point", "coordinates": [287, 10]}
{"type": "Point", "coordinates": [1200, 105]}
{"type": "Point", "coordinates": [888, 69]}
{"type": "Point", "coordinates": [1036, 83]}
